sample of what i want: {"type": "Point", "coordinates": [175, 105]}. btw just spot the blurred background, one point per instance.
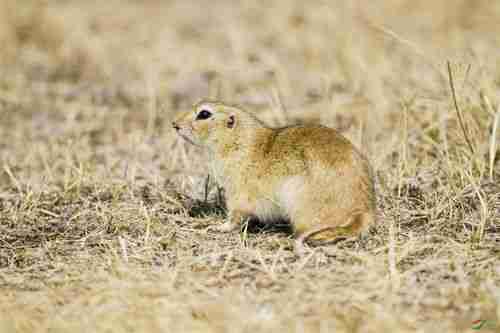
{"type": "Point", "coordinates": [103, 210]}
{"type": "Point", "coordinates": [103, 78]}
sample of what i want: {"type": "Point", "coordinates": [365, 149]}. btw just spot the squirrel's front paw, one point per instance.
{"type": "Point", "coordinates": [224, 227]}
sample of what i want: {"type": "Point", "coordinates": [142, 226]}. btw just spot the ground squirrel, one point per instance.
{"type": "Point", "coordinates": [310, 175]}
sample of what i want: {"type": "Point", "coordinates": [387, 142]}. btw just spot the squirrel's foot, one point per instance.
{"type": "Point", "coordinates": [300, 248]}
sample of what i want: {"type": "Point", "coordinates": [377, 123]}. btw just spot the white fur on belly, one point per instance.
{"type": "Point", "coordinates": [289, 194]}
{"type": "Point", "coordinates": [284, 202]}
{"type": "Point", "coordinates": [268, 210]}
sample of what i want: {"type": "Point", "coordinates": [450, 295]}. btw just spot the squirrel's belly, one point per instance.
{"type": "Point", "coordinates": [290, 193]}
{"type": "Point", "coordinates": [281, 200]}
{"type": "Point", "coordinates": [268, 210]}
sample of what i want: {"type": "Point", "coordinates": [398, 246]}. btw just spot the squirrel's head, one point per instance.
{"type": "Point", "coordinates": [211, 123]}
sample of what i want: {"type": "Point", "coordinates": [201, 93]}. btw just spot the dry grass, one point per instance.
{"type": "Point", "coordinates": [103, 210]}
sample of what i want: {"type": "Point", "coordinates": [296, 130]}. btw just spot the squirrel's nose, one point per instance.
{"type": "Point", "coordinates": [175, 126]}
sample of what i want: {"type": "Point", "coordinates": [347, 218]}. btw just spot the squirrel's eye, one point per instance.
{"type": "Point", "coordinates": [203, 114]}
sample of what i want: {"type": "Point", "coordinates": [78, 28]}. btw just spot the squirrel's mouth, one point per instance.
{"type": "Point", "coordinates": [188, 139]}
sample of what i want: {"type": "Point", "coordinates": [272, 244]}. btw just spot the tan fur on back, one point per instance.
{"type": "Point", "coordinates": [311, 174]}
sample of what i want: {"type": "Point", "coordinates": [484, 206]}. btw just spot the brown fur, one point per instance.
{"type": "Point", "coordinates": [310, 174]}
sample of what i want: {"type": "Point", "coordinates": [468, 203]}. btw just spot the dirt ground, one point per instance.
{"type": "Point", "coordinates": [104, 211]}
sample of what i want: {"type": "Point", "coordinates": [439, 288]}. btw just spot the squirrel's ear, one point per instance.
{"type": "Point", "coordinates": [231, 121]}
